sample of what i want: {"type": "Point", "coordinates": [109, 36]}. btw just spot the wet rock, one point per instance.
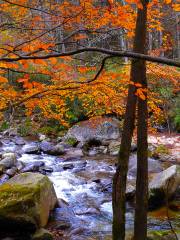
{"type": "Point", "coordinates": [87, 211]}
{"type": "Point", "coordinates": [32, 148]}
{"type": "Point", "coordinates": [49, 148]}
{"type": "Point", "coordinates": [8, 160]}
{"type": "Point", "coordinates": [46, 169]}
{"type": "Point", "coordinates": [20, 165]}
{"type": "Point", "coordinates": [164, 185]}
{"type": "Point", "coordinates": [57, 150]}
{"type": "Point", "coordinates": [68, 166]}
{"type": "Point", "coordinates": [4, 178]}
{"type": "Point", "coordinates": [46, 146]}
{"type": "Point", "coordinates": [11, 172]}
{"type": "Point", "coordinates": [25, 202]}
{"type": "Point", "coordinates": [32, 167]}
{"type": "Point", "coordinates": [42, 234]}
{"type": "Point", "coordinates": [19, 141]}
{"type": "Point", "coordinates": [81, 166]}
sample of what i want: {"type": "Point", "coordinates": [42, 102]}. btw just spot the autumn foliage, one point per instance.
{"type": "Point", "coordinates": [51, 27]}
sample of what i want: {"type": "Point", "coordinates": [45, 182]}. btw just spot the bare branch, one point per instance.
{"type": "Point", "coordinates": [128, 54]}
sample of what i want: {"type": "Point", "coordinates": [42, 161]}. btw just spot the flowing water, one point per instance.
{"type": "Point", "coordinates": [85, 185]}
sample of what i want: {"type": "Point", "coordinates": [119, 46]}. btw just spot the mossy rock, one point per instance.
{"type": "Point", "coordinates": [163, 235]}
{"type": "Point", "coordinates": [25, 202]}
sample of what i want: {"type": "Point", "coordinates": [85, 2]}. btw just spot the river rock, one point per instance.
{"type": "Point", "coordinates": [164, 185]}
{"type": "Point", "coordinates": [25, 202]}
{"type": "Point", "coordinates": [50, 148]}
{"type": "Point", "coordinates": [32, 148]}
{"type": "Point", "coordinates": [32, 167]}
{"type": "Point", "coordinates": [57, 150]}
{"type": "Point", "coordinates": [95, 128]}
{"type": "Point", "coordinates": [46, 169]}
{"type": "Point", "coordinates": [46, 146]}
{"type": "Point", "coordinates": [20, 165]}
{"type": "Point", "coordinates": [19, 141]}
{"type": "Point", "coordinates": [11, 172]}
{"type": "Point", "coordinates": [68, 166]}
{"type": "Point", "coordinates": [8, 160]}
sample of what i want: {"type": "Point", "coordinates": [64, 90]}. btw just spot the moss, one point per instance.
{"type": "Point", "coordinates": [161, 235]}
{"type": "Point", "coordinates": [72, 141]}
{"type": "Point", "coordinates": [29, 200]}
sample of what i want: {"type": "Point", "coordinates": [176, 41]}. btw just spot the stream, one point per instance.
{"type": "Point", "coordinates": [84, 185]}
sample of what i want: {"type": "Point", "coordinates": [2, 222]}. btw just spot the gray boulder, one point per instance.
{"type": "Point", "coordinates": [95, 128]}
{"type": "Point", "coordinates": [163, 186]}
{"type": "Point", "coordinates": [32, 148]}
{"type": "Point", "coordinates": [50, 148]}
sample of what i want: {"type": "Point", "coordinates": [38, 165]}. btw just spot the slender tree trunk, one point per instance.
{"type": "Point", "coordinates": [120, 177]}
{"type": "Point", "coordinates": [140, 223]}
{"type": "Point", "coordinates": [119, 180]}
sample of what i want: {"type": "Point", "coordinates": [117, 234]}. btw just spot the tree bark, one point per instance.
{"type": "Point", "coordinates": [140, 223]}
{"type": "Point", "coordinates": [120, 177]}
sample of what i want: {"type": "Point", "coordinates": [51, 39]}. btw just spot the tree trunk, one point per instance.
{"type": "Point", "coordinates": [120, 177]}
{"type": "Point", "coordinates": [140, 223]}
{"type": "Point", "coordinates": [119, 180]}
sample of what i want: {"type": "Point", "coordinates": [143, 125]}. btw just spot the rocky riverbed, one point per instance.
{"type": "Point", "coordinates": [82, 174]}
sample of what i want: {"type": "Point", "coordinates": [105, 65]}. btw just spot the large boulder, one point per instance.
{"type": "Point", "coordinates": [163, 186]}
{"type": "Point", "coordinates": [154, 166]}
{"type": "Point", "coordinates": [101, 128]}
{"type": "Point", "coordinates": [25, 202]}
